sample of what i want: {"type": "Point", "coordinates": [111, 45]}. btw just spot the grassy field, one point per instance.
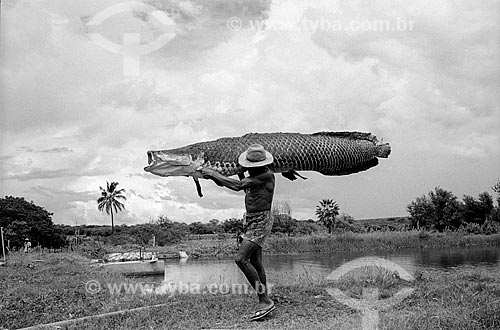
{"type": "Point", "coordinates": [348, 241]}
{"type": "Point", "coordinates": [43, 288]}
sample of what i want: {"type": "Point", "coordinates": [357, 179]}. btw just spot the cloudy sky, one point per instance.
{"type": "Point", "coordinates": [422, 75]}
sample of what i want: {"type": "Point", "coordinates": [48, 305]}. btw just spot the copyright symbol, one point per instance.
{"type": "Point", "coordinates": [92, 286]}
{"type": "Point", "coordinates": [234, 23]}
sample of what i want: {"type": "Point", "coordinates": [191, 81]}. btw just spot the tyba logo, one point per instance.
{"type": "Point", "coordinates": [131, 49]}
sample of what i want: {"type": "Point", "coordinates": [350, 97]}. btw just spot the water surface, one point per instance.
{"type": "Point", "coordinates": [314, 267]}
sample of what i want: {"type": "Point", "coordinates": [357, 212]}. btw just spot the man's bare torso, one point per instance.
{"type": "Point", "coordinates": [258, 187]}
{"type": "Point", "coordinates": [259, 197]}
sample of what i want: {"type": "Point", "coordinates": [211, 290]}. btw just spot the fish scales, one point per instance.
{"type": "Point", "coordinates": [327, 153]}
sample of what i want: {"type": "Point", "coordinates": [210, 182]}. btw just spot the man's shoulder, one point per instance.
{"type": "Point", "coordinates": [265, 175]}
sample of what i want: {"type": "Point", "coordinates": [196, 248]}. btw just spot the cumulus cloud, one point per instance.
{"type": "Point", "coordinates": [71, 120]}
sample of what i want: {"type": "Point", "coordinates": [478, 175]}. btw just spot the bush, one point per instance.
{"type": "Point", "coordinates": [487, 228]}
{"type": "Point", "coordinates": [283, 223]}
{"type": "Point", "coordinates": [471, 228]}
{"type": "Point", "coordinates": [305, 228]}
{"type": "Point", "coordinates": [439, 210]}
{"type": "Point", "coordinates": [345, 222]}
{"type": "Point", "coordinates": [232, 225]}
{"type": "Point", "coordinates": [479, 210]}
{"type": "Point", "coordinates": [495, 215]}
{"type": "Point", "coordinates": [92, 250]}
{"type": "Point", "coordinates": [490, 227]}
{"type": "Point", "coordinates": [198, 228]}
{"type": "Point", "coordinates": [22, 219]}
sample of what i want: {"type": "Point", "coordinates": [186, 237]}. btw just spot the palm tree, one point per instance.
{"type": "Point", "coordinates": [326, 211]}
{"type": "Point", "coordinates": [109, 200]}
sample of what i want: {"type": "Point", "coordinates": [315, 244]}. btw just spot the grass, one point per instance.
{"type": "Point", "coordinates": [220, 246]}
{"type": "Point", "coordinates": [35, 292]}
{"type": "Point", "coordinates": [376, 240]}
{"type": "Point", "coordinates": [348, 241]}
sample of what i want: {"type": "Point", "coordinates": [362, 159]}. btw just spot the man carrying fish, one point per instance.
{"type": "Point", "coordinates": [259, 190]}
{"type": "Point", "coordinates": [329, 153]}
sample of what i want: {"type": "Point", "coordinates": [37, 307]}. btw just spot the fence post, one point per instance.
{"type": "Point", "coordinates": [3, 244]}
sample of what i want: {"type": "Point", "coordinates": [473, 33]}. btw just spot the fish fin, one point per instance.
{"type": "Point", "coordinates": [300, 176]}
{"type": "Point", "coordinates": [363, 167]}
{"type": "Point", "coordinates": [351, 135]}
{"type": "Point", "coordinates": [198, 186]}
{"type": "Point", "coordinates": [292, 175]}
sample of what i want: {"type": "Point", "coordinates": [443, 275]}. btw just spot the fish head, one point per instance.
{"type": "Point", "coordinates": [175, 162]}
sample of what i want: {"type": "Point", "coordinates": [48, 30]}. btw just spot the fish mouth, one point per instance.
{"type": "Point", "coordinates": [151, 161]}
{"type": "Point", "coordinates": [150, 158]}
{"type": "Point", "coordinates": [165, 163]}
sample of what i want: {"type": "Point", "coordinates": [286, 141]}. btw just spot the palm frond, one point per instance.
{"type": "Point", "coordinates": [117, 208]}
{"type": "Point", "coordinates": [113, 186]}
{"type": "Point", "coordinates": [108, 207]}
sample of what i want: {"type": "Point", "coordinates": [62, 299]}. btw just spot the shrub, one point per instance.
{"type": "Point", "coordinates": [22, 219]}
{"type": "Point", "coordinates": [232, 225]}
{"type": "Point", "coordinates": [439, 210]}
{"type": "Point", "coordinates": [487, 228]}
{"type": "Point", "coordinates": [305, 228]}
{"type": "Point", "coordinates": [92, 250]}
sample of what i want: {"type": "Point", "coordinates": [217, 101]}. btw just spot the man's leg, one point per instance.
{"type": "Point", "coordinates": [245, 253]}
{"type": "Point", "coordinates": [256, 261]}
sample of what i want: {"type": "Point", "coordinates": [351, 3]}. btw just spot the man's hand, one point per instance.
{"type": "Point", "coordinates": [232, 184]}
{"type": "Point", "coordinates": [207, 173]}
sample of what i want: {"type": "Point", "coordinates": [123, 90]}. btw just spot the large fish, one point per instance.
{"type": "Point", "coordinates": [329, 153]}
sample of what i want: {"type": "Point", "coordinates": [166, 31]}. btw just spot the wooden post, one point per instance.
{"type": "Point", "coordinates": [3, 244]}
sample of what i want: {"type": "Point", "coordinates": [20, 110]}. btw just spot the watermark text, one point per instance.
{"type": "Point", "coordinates": [170, 289]}
{"type": "Point", "coordinates": [325, 25]}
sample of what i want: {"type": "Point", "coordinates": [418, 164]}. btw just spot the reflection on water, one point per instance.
{"type": "Point", "coordinates": [314, 267]}
{"type": "Point", "coordinates": [452, 257]}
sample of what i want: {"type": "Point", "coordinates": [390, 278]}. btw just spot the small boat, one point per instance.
{"type": "Point", "coordinates": [136, 268]}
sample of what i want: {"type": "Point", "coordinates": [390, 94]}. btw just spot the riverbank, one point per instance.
{"type": "Point", "coordinates": [389, 240]}
{"type": "Point", "coordinates": [43, 288]}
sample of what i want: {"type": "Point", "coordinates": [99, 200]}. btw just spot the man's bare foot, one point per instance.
{"type": "Point", "coordinates": [265, 303]}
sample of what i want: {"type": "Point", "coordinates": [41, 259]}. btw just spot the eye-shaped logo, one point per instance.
{"type": "Point", "coordinates": [131, 49]}
{"type": "Point", "coordinates": [370, 305]}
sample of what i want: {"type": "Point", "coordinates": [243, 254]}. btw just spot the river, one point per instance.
{"type": "Point", "coordinates": [314, 267]}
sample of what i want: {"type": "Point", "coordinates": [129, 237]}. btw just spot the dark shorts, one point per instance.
{"type": "Point", "coordinates": [257, 226]}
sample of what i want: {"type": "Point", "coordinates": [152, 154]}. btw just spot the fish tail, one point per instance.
{"type": "Point", "coordinates": [383, 150]}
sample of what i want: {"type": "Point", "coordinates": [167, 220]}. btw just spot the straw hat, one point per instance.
{"type": "Point", "coordinates": [255, 156]}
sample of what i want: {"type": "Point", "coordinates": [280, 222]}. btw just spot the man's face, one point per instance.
{"type": "Point", "coordinates": [254, 170]}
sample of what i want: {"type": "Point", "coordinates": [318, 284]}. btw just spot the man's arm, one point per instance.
{"type": "Point", "coordinates": [232, 184]}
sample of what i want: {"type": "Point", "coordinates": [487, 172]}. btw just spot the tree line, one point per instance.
{"type": "Point", "coordinates": [166, 231]}
{"type": "Point", "coordinates": [439, 210]}
{"type": "Point", "coordinates": [22, 219]}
